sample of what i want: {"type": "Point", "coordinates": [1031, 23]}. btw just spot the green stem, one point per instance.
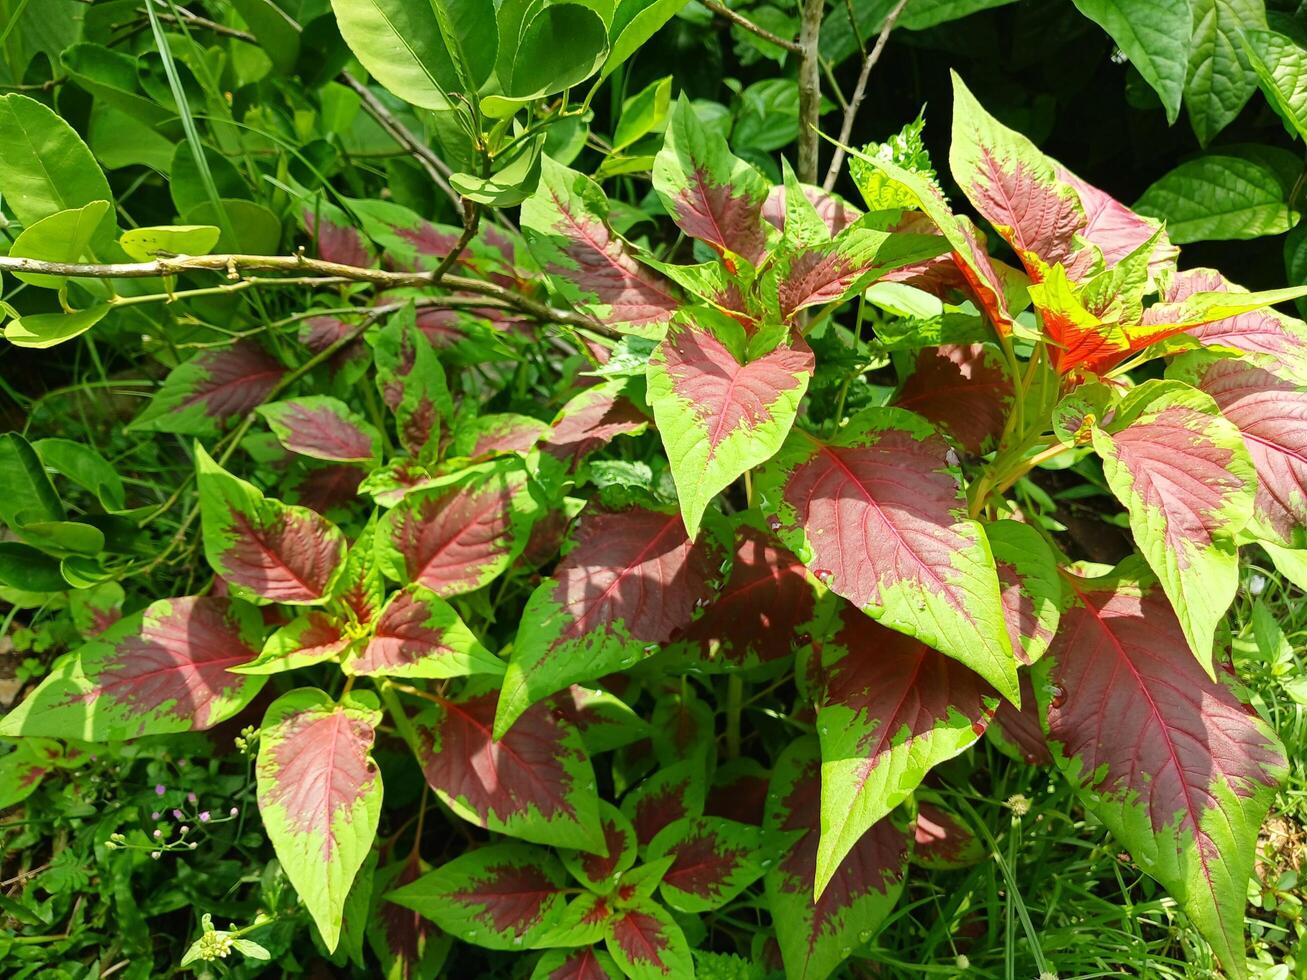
{"type": "Point", "coordinates": [734, 706]}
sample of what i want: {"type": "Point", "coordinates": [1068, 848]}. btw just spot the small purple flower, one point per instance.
{"type": "Point", "coordinates": [176, 814]}
{"type": "Point", "coordinates": [158, 834]}
{"type": "Point", "coordinates": [190, 798]}
{"type": "Point", "coordinates": [155, 815]}
{"type": "Point", "coordinates": [204, 816]}
{"type": "Point", "coordinates": [160, 789]}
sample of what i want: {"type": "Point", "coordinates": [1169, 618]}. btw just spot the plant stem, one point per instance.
{"type": "Point", "coordinates": [395, 708]}
{"type": "Point", "coordinates": [726, 13]}
{"type": "Point", "coordinates": [809, 89]}
{"type": "Point", "coordinates": [734, 706]}
{"type": "Point", "coordinates": [860, 92]}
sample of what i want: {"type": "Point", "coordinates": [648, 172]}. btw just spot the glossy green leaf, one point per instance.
{"type": "Point", "coordinates": [146, 244]}
{"type": "Point", "coordinates": [1220, 78]}
{"type": "Point", "coordinates": [62, 237]}
{"type": "Point", "coordinates": [1224, 195]}
{"type": "Point", "coordinates": [1154, 35]}
{"type": "Point", "coordinates": [41, 330]}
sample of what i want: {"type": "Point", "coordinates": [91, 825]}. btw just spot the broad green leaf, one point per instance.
{"type": "Point", "coordinates": [878, 516]}
{"type": "Point", "coordinates": [1188, 484]}
{"type": "Point", "coordinates": [46, 167]}
{"type": "Point", "coordinates": [1224, 195]}
{"type": "Point", "coordinates": [1182, 773]}
{"type": "Point", "coordinates": [1154, 35]}
{"type": "Point", "coordinates": [145, 244]}
{"type": "Point", "coordinates": [1220, 79]}
{"type": "Point", "coordinates": [320, 795]}
{"type": "Point", "coordinates": [892, 709]}
{"type": "Point", "coordinates": [24, 567]}
{"type": "Point", "coordinates": [26, 493]}
{"type": "Point", "coordinates": [324, 428]}
{"type": "Point", "coordinates": [547, 47]}
{"type": "Point", "coordinates": [165, 669]}
{"type": "Point", "coordinates": [535, 782]}
{"type": "Point", "coordinates": [502, 896]}
{"type": "Point", "coordinates": [278, 35]}
{"type": "Point", "coordinates": [817, 935]}
{"type": "Point", "coordinates": [85, 467]}
{"type": "Point", "coordinates": [643, 113]}
{"type": "Point", "coordinates": [512, 183]}
{"type": "Point", "coordinates": [1281, 67]}
{"type": "Point", "coordinates": [401, 44]}
{"type": "Point", "coordinates": [255, 230]}
{"type": "Point", "coordinates": [635, 22]}
{"type": "Point", "coordinates": [113, 77]}
{"type": "Point", "coordinates": [265, 549]}
{"type": "Point", "coordinates": [631, 582]}
{"type": "Point", "coordinates": [62, 237]}
{"type": "Point", "coordinates": [565, 224]}
{"type": "Point", "coordinates": [718, 417]}
{"type": "Point", "coordinates": [42, 330]}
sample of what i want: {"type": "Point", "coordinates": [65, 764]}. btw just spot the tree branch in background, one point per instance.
{"type": "Point", "coordinates": [726, 13]}
{"type": "Point", "coordinates": [809, 89]}
{"type": "Point", "coordinates": [860, 92]}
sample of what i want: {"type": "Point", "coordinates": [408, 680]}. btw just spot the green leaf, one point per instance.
{"type": "Point", "coordinates": [113, 77]}
{"type": "Point", "coordinates": [26, 493]}
{"type": "Point", "coordinates": [320, 795]}
{"type": "Point", "coordinates": [512, 183]}
{"type": "Point", "coordinates": [1225, 195]}
{"type": "Point", "coordinates": [41, 330]}
{"type": "Point", "coordinates": [85, 467]}
{"type": "Point", "coordinates": [146, 244]}
{"type": "Point", "coordinates": [1154, 35]}
{"type": "Point", "coordinates": [255, 230]}
{"type": "Point", "coordinates": [46, 167]}
{"type": "Point", "coordinates": [1184, 476]}
{"type": "Point", "coordinates": [278, 35]}
{"type": "Point", "coordinates": [547, 47]}
{"type": "Point", "coordinates": [719, 417]}
{"type": "Point", "coordinates": [62, 237]}
{"type": "Point", "coordinates": [635, 22]}
{"type": "Point", "coordinates": [400, 43]}
{"type": "Point", "coordinates": [24, 567]}
{"type": "Point", "coordinates": [1220, 78]}
{"type": "Point", "coordinates": [1281, 67]}
{"type": "Point", "coordinates": [643, 113]}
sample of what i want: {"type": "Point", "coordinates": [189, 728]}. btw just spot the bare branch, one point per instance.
{"type": "Point", "coordinates": [860, 92]}
{"type": "Point", "coordinates": [809, 88]}
{"type": "Point", "coordinates": [726, 13]}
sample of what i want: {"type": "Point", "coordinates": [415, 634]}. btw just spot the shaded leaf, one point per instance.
{"type": "Point", "coordinates": [713, 860]}
{"type": "Point", "coordinates": [203, 393]}
{"type": "Point", "coordinates": [963, 389]}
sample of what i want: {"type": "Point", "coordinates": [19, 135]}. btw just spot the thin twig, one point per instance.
{"type": "Point", "coordinates": [860, 92]}
{"type": "Point", "coordinates": [725, 12]}
{"type": "Point", "coordinates": [809, 88]}
{"type": "Point", "coordinates": [471, 221]}
{"type": "Point", "coordinates": [209, 25]}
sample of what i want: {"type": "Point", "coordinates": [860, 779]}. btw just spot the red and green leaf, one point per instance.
{"type": "Point", "coordinates": [1031, 587]}
{"type": "Point", "coordinates": [200, 395]}
{"type": "Point", "coordinates": [815, 936]}
{"type": "Point", "coordinates": [576, 964]}
{"type": "Point", "coordinates": [411, 382]}
{"type": "Point", "coordinates": [942, 841]}
{"type": "Point", "coordinates": [877, 514]}
{"type": "Point", "coordinates": [535, 783]}
{"type": "Point", "coordinates": [1271, 415]}
{"type": "Point", "coordinates": [647, 944]}
{"type": "Point", "coordinates": [1188, 484]}
{"type": "Point", "coordinates": [337, 240]}
{"type": "Point", "coordinates": [631, 582]}
{"type": "Point", "coordinates": [719, 417]}
{"type": "Point", "coordinates": [1116, 230]}
{"type": "Point", "coordinates": [891, 711]}
{"type": "Point", "coordinates": [1176, 767]}
{"type": "Point", "coordinates": [565, 224]}
{"type": "Point", "coordinates": [757, 616]}
{"type": "Point", "coordinates": [498, 434]}
{"type": "Point", "coordinates": [419, 634]}
{"type": "Point", "coordinates": [668, 795]}
{"type": "Point", "coordinates": [605, 721]}
{"type": "Point", "coordinates": [502, 896]}
{"type": "Point", "coordinates": [711, 194]}
{"type": "Point", "coordinates": [1018, 732]}
{"type": "Point", "coordinates": [591, 420]}
{"type": "Point", "coordinates": [310, 638]}
{"type": "Point", "coordinates": [457, 537]}
{"type": "Point", "coordinates": [836, 213]}
{"type": "Point", "coordinates": [324, 428]}
{"type": "Point", "coordinates": [264, 549]}
{"type": "Point", "coordinates": [320, 795]}
{"type": "Point", "coordinates": [23, 768]}
{"type": "Point", "coordinates": [162, 670]}
{"type": "Point", "coordinates": [597, 871]}
{"type": "Point", "coordinates": [713, 860]}
{"type": "Point", "coordinates": [963, 389]}
{"type": "Point", "coordinates": [406, 944]}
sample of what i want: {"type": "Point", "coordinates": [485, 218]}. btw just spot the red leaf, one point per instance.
{"type": "Point", "coordinates": [1258, 332]}
{"type": "Point", "coordinates": [535, 783]}
{"type": "Point", "coordinates": [668, 795]}
{"type": "Point", "coordinates": [286, 559]}
{"type": "Point", "coordinates": [590, 421]}
{"type": "Point", "coordinates": [739, 792]}
{"type": "Point", "coordinates": [336, 242]}
{"type": "Point", "coordinates": [327, 488]}
{"type": "Point", "coordinates": [1021, 726]}
{"type": "Point", "coordinates": [756, 618]}
{"type": "Point", "coordinates": [963, 389]}
{"type": "Point", "coordinates": [1114, 228]}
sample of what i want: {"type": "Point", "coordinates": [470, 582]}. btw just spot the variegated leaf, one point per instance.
{"type": "Point", "coordinates": [713, 860]}
{"type": "Point", "coordinates": [324, 428]}
{"type": "Point", "coordinates": [419, 634]}
{"type": "Point", "coordinates": [647, 944]}
{"type": "Point", "coordinates": [963, 389]}
{"type": "Point", "coordinates": [200, 395]}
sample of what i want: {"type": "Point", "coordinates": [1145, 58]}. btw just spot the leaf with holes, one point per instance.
{"type": "Point", "coordinates": [1271, 415]}
{"type": "Point", "coordinates": [815, 936]}
{"type": "Point", "coordinates": [419, 634]}
{"type": "Point", "coordinates": [711, 194]}
{"type": "Point", "coordinates": [877, 515]}
{"type": "Point", "coordinates": [597, 871]}
{"type": "Point", "coordinates": [1182, 773]}
{"type": "Point", "coordinates": [713, 860]}
{"type": "Point", "coordinates": [411, 382]}
{"type": "Point", "coordinates": [647, 944]}
{"type": "Point", "coordinates": [264, 549]}
{"type": "Point", "coordinates": [1184, 476]}
{"type": "Point", "coordinates": [536, 782]}
{"type": "Point", "coordinates": [631, 582]}
{"type": "Point", "coordinates": [200, 395]}
{"type": "Point", "coordinates": [320, 795]}
{"type": "Point", "coordinates": [566, 226]}
{"type": "Point", "coordinates": [1032, 587]}
{"type": "Point", "coordinates": [324, 428]}
{"type": "Point", "coordinates": [501, 896]}
{"type": "Point", "coordinates": [456, 537]}
{"type": "Point", "coordinates": [720, 414]}
{"type": "Point", "coordinates": [164, 669]}
{"type": "Point", "coordinates": [758, 615]}
{"type": "Point", "coordinates": [891, 710]}
{"type": "Point", "coordinates": [668, 795]}
{"type": "Point", "coordinates": [964, 390]}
